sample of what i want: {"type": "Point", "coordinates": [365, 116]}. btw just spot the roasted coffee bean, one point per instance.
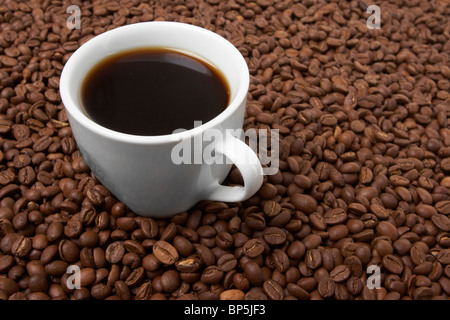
{"type": "Point", "coordinates": [304, 203]}
{"type": "Point", "coordinates": [227, 262]}
{"type": "Point", "coordinates": [7, 176]}
{"type": "Point", "coordinates": [392, 263]}
{"type": "Point", "coordinates": [6, 226]}
{"type": "Point", "coordinates": [313, 258]}
{"type": "Point", "coordinates": [135, 277]}
{"type": "Point", "coordinates": [274, 236]}
{"type": "Point", "coordinates": [149, 227]}
{"type": "Point", "coordinates": [165, 252]}
{"type": "Point", "coordinates": [354, 285]}
{"type": "Point", "coordinates": [224, 240]}
{"type": "Point", "coordinates": [312, 241]}
{"type": "Point", "coordinates": [134, 247]}
{"type": "Point", "coordinates": [87, 277]}
{"type": "Point", "coordinates": [255, 221]}
{"type": "Point", "coordinates": [317, 221]}
{"type": "Point", "coordinates": [385, 228]}
{"type": "Point", "coordinates": [189, 264]}
{"type": "Point", "coordinates": [253, 248]}
{"type": "Point", "coordinates": [444, 256]}
{"type": "Point", "coordinates": [100, 291]}
{"type": "Point", "coordinates": [212, 275]}
{"type": "Point", "coordinates": [150, 262]}
{"type": "Point", "coordinates": [55, 231]}
{"type": "Point", "coordinates": [280, 260]}
{"type": "Point", "coordinates": [232, 294]}
{"type": "Point", "coordinates": [298, 291]}
{"type": "Point", "coordinates": [9, 190]}
{"type": "Point", "coordinates": [87, 257]}
{"type": "Point", "coordinates": [6, 262]}
{"type": "Point", "coordinates": [326, 288]}
{"type": "Point", "coordinates": [417, 254]}
{"type": "Point", "coordinates": [122, 290]}
{"type": "Point", "coordinates": [296, 250]}
{"type": "Point", "coordinates": [68, 251]}
{"type": "Point", "coordinates": [8, 286]}
{"type": "Point", "coordinates": [48, 254]}
{"type": "Point", "coordinates": [145, 291]}
{"type": "Point", "coordinates": [88, 239]}
{"type": "Point", "coordinates": [273, 290]}
{"type": "Point", "coordinates": [340, 273]}
{"type": "Point", "coordinates": [337, 232]}
{"type": "Point", "coordinates": [56, 268]}
{"type": "Point", "coordinates": [126, 223]}
{"type": "Point", "coordinates": [268, 191]}
{"type": "Point", "coordinates": [205, 254]}
{"type": "Point", "coordinates": [26, 176]}
{"type": "Point", "coordinates": [73, 228]}
{"type": "Point", "coordinates": [379, 211]}
{"type": "Point", "coordinates": [335, 216]}
{"type": "Point", "coordinates": [115, 252]}
{"type": "Point", "coordinates": [271, 208]}
{"type": "Point", "coordinates": [21, 247]}
{"type": "Point", "coordinates": [95, 197]}
{"type": "Point", "coordinates": [254, 273]}
{"type": "Point", "coordinates": [443, 207]}
{"type": "Point", "coordinates": [441, 221]}
{"type": "Point", "coordinates": [170, 281]}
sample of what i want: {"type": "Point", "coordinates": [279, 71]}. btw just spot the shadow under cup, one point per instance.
{"type": "Point", "coordinates": [138, 169]}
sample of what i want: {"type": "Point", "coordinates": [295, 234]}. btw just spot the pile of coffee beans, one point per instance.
{"type": "Point", "coordinates": [360, 205]}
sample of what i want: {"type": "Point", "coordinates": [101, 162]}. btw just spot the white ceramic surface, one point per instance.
{"type": "Point", "coordinates": [139, 170]}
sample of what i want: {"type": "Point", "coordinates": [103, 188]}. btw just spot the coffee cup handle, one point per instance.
{"type": "Point", "coordinates": [246, 160]}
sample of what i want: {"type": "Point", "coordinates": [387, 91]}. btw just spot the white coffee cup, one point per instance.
{"type": "Point", "coordinates": [139, 170]}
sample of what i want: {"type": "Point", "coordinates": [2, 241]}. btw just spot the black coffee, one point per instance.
{"type": "Point", "coordinates": [153, 91]}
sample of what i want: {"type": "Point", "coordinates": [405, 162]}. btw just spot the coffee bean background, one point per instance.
{"type": "Point", "coordinates": [363, 181]}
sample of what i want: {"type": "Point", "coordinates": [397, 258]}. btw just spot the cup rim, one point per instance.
{"type": "Point", "coordinates": [74, 111]}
